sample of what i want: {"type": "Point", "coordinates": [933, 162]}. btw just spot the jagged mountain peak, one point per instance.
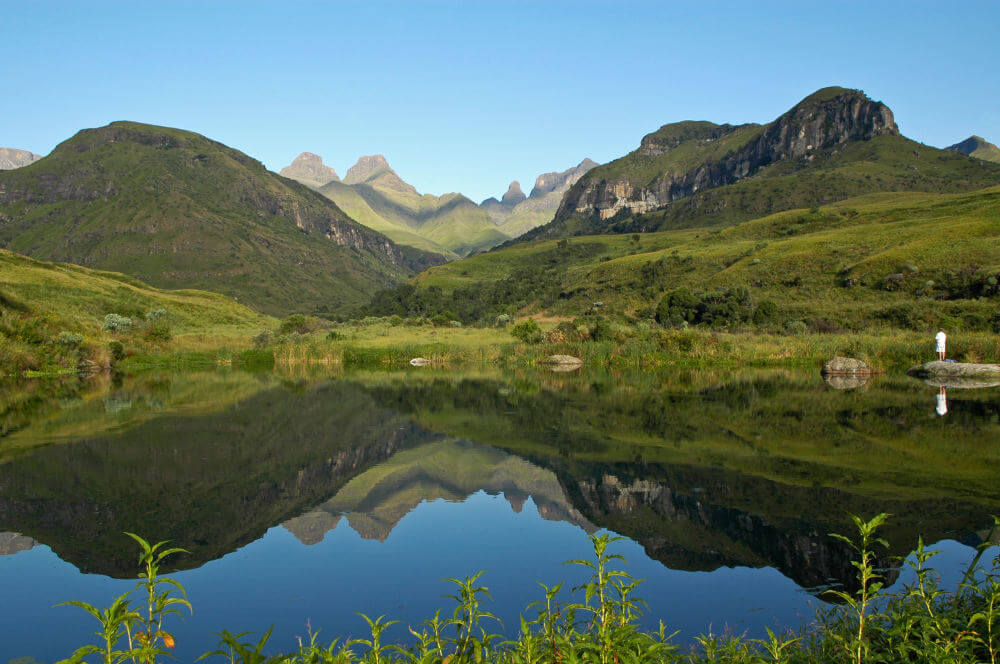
{"type": "Point", "coordinates": [368, 167]}
{"type": "Point", "coordinates": [309, 169]}
{"type": "Point", "coordinates": [514, 195]}
{"type": "Point", "coordinates": [549, 182]}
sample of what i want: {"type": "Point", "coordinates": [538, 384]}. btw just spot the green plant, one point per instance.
{"type": "Point", "coordinates": [527, 331]}
{"type": "Point", "coordinates": [117, 324]}
{"type": "Point", "coordinates": [117, 351]}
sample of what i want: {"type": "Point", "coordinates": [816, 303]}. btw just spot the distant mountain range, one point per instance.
{"type": "Point", "coordinates": [452, 225]}
{"type": "Point", "coordinates": [11, 158]}
{"type": "Point", "coordinates": [980, 148]}
{"type": "Point", "coordinates": [834, 144]}
{"type": "Point", "coordinates": [179, 210]}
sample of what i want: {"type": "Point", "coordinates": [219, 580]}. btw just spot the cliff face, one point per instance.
{"type": "Point", "coordinates": [681, 159]}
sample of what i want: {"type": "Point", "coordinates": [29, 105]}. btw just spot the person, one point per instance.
{"type": "Point", "coordinates": [939, 340]}
{"type": "Point", "coordinates": [942, 403]}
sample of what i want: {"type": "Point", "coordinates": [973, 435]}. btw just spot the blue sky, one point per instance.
{"type": "Point", "coordinates": [465, 96]}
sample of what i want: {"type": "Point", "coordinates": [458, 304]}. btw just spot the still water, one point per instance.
{"type": "Point", "coordinates": [304, 500]}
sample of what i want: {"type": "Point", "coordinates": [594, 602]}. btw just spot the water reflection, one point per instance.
{"type": "Point", "coordinates": [706, 472]}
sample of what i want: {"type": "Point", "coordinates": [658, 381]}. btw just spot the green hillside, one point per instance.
{"type": "Point", "coordinates": [351, 202]}
{"type": "Point", "coordinates": [178, 210]}
{"type": "Point", "coordinates": [384, 201]}
{"type": "Point", "coordinates": [51, 315]}
{"type": "Point", "coordinates": [835, 144]}
{"type": "Point", "coordinates": [903, 260]}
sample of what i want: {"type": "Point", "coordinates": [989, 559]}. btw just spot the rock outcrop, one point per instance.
{"type": "Point", "coordinates": [11, 158]}
{"type": "Point", "coordinates": [683, 158]}
{"type": "Point", "coordinates": [547, 183]}
{"type": "Point", "coordinates": [309, 169]}
{"type": "Point", "coordinates": [954, 369]}
{"type": "Point", "coordinates": [516, 214]}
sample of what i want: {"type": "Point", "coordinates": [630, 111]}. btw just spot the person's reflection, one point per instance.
{"type": "Point", "coordinates": [942, 402]}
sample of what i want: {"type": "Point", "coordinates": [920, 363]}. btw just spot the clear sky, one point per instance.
{"type": "Point", "coordinates": [466, 96]}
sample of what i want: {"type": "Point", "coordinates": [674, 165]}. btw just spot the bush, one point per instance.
{"type": "Point", "coordinates": [503, 320]}
{"type": "Point", "coordinates": [796, 327]}
{"type": "Point", "coordinates": [527, 331]}
{"type": "Point", "coordinates": [117, 324]}
{"type": "Point", "coordinates": [263, 338]}
{"type": "Point", "coordinates": [766, 312]}
{"type": "Point", "coordinates": [677, 307]}
{"type": "Point", "coordinates": [117, 351]}
{"type": "Point", "coordinates": [155, 314]}
{"type": "Point", "coordinates": [602, 330]}
{"type": "Point", "coordinates": [299, 324]}
{"type": "Point", "coordinates": [564, 332]}
{"type": "Point", "coordinates": [69, 339]}
{"type": "Point", "coordinates": [158, 332]}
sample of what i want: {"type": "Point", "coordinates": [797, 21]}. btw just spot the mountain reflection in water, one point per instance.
{"type": "Point", "coordinates": [704, 471]}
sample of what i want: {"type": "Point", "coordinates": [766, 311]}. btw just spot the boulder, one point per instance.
{"type": "Point", "coordinates": [954, 369]}
{"type": "Point", "coordinates": [563, 360]}
{"type": "Point", "coordinates": [846, 381]}
{"type": "Point", "coordinates": [846, 366]}
{"type": "Point", "coordinates": [419, 362]}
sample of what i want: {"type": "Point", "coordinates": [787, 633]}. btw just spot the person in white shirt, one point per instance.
{"type": "Point", "coordinates": [942, 403]}
{"type": "Point", "coordinates": [939, 341]}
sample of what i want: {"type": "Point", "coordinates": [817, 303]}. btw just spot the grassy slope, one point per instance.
{"type": "Point", "coordinates": [801, 259]}
{"type": "Point", "coordinates": [181, 211]}
{"type": "Point", "coordinates": [40, 300]}
{"type": "Point", "coordinates": [450, 221]}
{"type": "Point", "coordinates": [348, 200]}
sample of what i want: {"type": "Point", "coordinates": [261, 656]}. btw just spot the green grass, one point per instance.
{"type": "Point", "coordinates": [880, 261]}
{"type": "Point", "coordinates": [42, 300]}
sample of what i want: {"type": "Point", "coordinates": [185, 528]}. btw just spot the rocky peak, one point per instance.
{"type": "Point", "coordinates": [11, 158]}
{"type": "Point", "coordinates": [824, 120]}
{"type": "Point", "coordinates": [368, 167]}
{"type": "Point", "coordinates": [514, 195]}
{"type": "Point", "coordinates": [549, 182]}
{"type": "Point", "coordinates": [309, 169]}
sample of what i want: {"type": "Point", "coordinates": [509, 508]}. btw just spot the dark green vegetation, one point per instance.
{"type": "Point", "coordinates": [178, 210]}
{"type": "Point", "coordinates": [374, 194]}
{"type": "Point", "coordinates": [922, 622]}
{"type": "Point", "coordinates": [58, 317]}
{"type": "Point", "coordinates": [886, 261]}
{"type": "Point", "coordinates": [833, 145]}
{"type": "Point", "coordinates": [977, 147]}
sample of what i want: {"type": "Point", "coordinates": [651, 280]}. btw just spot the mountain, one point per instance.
{"type": "Point", "coordinates": [450, 224]}
{"type": "Point", "coordinates": [309, 169]}
{"type": "Point", "coordinates": [376, 501]}
{"type": "Point", "coordinates": [975, 146]}
{"type": "Point", "coordinates": [11, 158]}
{"type": "Point", "coordinates": [179, 210]}
{"type": "Point", "coordinates": [517, 214]}
{"type": "Point", "coordinates": [906, 260]}
{"type": "Point", "coordinates": [834, 144]}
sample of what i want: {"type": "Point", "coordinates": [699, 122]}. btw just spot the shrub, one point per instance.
{"type": "Point", "coordinates": [564, 332]}
{"type": "Point", "coordinates": [677, 307]}
{"type": "Point", "coordinates": [796, 327]}
{"type": "Point", "coordinates": [69, 339]}
{"type": "Point", "coordinates": [766, 312]}
{"type": "Point", "coordinates": [335, 335]}
{"type": "Point", "coordinates": [155, 314]}
{"type": "Point", "coordinates": [455, 323]}
{"type": "Point", "coordinates": [503, 320]}
{"type": "Point", "coordinates": [117, 324]}
{"type": "Point", "coordinates": [602, 330]}
{"type": "Point", "coordinates": [158, 332]}
{"type": "Point", "coordinates": [117, 351]}
{"type": "Point", "coordinates": [295, 323]}
{"type": "Point", "coordinates": [527, 331]}
{"type": "Point", "coordinates": [263, 338]}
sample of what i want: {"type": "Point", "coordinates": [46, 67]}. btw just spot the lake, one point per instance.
{"type": "Point", "coordinates": [305, 499]}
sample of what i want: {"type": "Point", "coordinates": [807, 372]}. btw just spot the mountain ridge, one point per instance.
{"type": "Point", "coordinates": [978, 147]}
{"type": "Point", "coordinates": [180, 210]}
{"type": "Point", "coordinates": [11, 158]}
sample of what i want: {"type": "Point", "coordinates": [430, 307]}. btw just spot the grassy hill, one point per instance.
{"type": "Point", "coordinates": [451, 225]}
{"type": "Point", "coordinates": [833, 145]}
{"type": "Point", "coordinates": [978, 147]}
{"type": "Point", "coordinates": [51, 315]}
{"type": "Point", "coordinates": [903, 260]}
{"type": "Point", "coordinates": [178, 210]}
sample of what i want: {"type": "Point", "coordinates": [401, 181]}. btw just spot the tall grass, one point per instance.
{"type": "Point", "coordinates": [921, 623]}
